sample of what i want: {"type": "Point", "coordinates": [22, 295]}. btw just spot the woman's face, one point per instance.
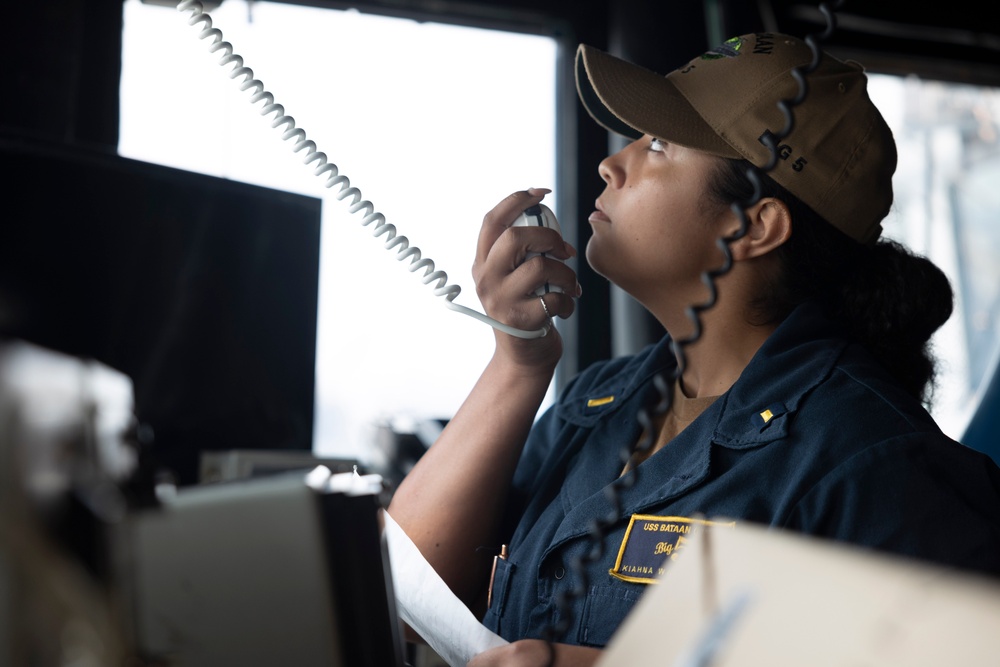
{"type": "Point", "coordinates": [655, 228]}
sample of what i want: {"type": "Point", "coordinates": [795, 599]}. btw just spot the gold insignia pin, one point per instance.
{"type": "Point", "coordinates": [597, 402]}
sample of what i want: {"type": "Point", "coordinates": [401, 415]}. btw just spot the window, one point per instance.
{"type": "Point", "coordinates": [947, 207]}
{"type": "Point", "coordinates": [433, 123]}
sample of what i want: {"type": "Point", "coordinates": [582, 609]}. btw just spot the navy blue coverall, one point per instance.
{"type": "Point", "coordinates": [814, 437]}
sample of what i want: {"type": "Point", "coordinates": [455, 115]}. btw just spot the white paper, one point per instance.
{"type": "Point", "coordinates": [426, 604]}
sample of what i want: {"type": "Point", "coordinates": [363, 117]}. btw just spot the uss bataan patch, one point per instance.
{"type": "Point", "coordinates": [650, 540]}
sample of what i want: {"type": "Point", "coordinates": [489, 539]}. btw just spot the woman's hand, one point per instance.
{"type": "Point", "coordinates": [537, 653]}
{"type": "Point", "coordinates": [506, 283]}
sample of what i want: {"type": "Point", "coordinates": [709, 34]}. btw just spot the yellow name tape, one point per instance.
{"type": "Point", "coordinates": [650, 541]}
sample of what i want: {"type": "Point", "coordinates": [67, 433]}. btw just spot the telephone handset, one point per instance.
{"type": "Point", "coordinates": [539, 215]}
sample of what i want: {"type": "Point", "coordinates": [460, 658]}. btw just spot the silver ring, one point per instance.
{"type": "Point", "coordinates": [545, 308]}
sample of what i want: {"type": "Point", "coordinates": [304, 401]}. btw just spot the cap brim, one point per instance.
{"type": "Point", "coordinates": [632, 101]}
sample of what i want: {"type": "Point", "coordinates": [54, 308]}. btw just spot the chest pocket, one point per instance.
{"type": "Point", "coordinates": [500, 585]}
{"type": "Point", "coordinates": [604, 611]}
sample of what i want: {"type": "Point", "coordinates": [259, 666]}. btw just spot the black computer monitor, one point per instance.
{"type": "Point", "coordinates": [202, 290]}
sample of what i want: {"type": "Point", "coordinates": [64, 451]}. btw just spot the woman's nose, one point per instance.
{"type": "Point", "coordinates": [610, 170]}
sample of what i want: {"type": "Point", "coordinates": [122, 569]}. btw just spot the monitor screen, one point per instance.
{"type": "Point", "coordinates": [202, 290]}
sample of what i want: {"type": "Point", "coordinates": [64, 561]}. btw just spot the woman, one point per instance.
{"type": "Point", "coordinates": [799, 405]}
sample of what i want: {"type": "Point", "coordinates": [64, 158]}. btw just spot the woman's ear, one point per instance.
{"type": "Point", "coordinates": [769, 224]}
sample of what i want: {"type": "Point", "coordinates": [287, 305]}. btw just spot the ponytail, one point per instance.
{"type": "Point", "coordinates": [886, 298]}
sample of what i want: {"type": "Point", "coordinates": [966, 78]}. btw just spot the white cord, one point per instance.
{"type": "Point", "coordinates": [197, 15]}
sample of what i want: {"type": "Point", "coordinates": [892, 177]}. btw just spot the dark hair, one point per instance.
{"type": "Point", "coordinates": [885, 297]}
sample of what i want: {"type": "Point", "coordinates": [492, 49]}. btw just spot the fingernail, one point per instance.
{"type": "Point", "coordinates": [537, 192]}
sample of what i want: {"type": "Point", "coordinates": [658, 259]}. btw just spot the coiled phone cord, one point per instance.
{"type": "Point", "coordinates": [328, 170]}
{"type": "Point", "coordinates": [600, 526]}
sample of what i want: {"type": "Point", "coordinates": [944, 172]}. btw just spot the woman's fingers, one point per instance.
{"type": "Point", "coordinates": [515, 265]}
{"type": "Point", "coordinates": [502, 216]}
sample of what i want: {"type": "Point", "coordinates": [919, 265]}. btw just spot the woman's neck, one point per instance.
{"type": "Point", "coordinates": [727, 343]}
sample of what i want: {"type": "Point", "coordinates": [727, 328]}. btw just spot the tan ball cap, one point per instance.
{"type": "Point", "coordinates": [838, 159]}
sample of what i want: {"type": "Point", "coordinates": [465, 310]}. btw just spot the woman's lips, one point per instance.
{"type": "Point", "coordinates": [598, 215]}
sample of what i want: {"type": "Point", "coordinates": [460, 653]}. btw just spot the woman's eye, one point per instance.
{"type": "Point", "coordinates": [656, 145]}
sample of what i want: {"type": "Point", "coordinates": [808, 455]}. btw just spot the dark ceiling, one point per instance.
{"type": "Point", "coordinates": [956, 41]}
